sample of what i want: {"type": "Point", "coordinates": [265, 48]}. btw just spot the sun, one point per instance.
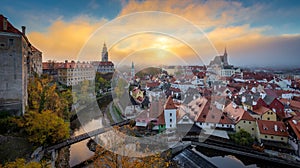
{"type": "Point", "coordinates": [161, 43]}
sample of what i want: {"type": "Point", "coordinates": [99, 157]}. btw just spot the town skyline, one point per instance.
{"type": "Point", "coordinates": [255, 33]}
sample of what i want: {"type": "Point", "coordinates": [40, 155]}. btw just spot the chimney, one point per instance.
{"type": "Point", "coordinates": [23, 30]}
{"type": "Point", "coordinates": [275, 127]}
{"type": "Point", "coordinates": [4, 23]}
{"type": "Point", "coordinates": [243, 99]}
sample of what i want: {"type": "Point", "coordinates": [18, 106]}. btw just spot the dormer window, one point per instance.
{"type": "Point", "coordinates": [265, 128]}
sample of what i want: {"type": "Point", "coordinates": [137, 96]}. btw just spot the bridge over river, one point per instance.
{"type": "Point", "coordinates": [84, 136]}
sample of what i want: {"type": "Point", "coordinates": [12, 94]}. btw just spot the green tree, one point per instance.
{"type": "Point", "coordinates": [45, 127]}
{"type": "Point", "coordinates": [242, 138]}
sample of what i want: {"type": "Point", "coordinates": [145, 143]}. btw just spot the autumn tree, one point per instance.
{"type": "Point", "coordinates": [44, 95]}
{"type": "Point", "coordinates": [45, 127]}
{"type": "Point", "coordinates": [22, 164]}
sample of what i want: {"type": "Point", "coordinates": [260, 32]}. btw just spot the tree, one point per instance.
{"type": "Point", "coordinates": [242, 138]}
{"type": "Point", "coordinates": [22, 164]}
{"type": "Point", "coordinates": [101, 83]}
{"type": "Point", "coordinates": [120, 87]}
{"type": "Point", "coordinates": [45, 127]}
{"type": "Point", "coordinates": [44, 95]}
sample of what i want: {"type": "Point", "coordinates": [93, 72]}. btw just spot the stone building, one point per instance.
{"type": "Point", "coordinates": [36, 61]}
{"type": "Point", "coordinates": [16, 56]}
{"type": "Point", "coordinates": [72, 73]}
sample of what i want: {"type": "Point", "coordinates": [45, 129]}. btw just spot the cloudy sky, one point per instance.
{"type": "Point", "coordinates": [256, 33]}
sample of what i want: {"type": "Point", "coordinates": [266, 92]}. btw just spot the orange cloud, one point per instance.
{"type": "Point", "coordinates": [63, 40]}
{"type": "Point", "coordinates": [160, 38]}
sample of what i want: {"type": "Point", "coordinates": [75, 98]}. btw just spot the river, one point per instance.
{"type": "Point", "coordinates": [79, 152]}
{"type": "Point", "coordinates": [89, 119]}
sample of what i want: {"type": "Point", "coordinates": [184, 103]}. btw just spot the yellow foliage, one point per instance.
{"type": "Point", "coordinates": [21, 163]}
{"type": "Point", "coordinates": [45, 127]}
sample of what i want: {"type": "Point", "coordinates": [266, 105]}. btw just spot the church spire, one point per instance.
{"type": "Point", "coordinates": [132, 70]}
{"type": "Point", "coordinates": [225, 56]}
{"type": "Point", "coordinates": [104, 53]}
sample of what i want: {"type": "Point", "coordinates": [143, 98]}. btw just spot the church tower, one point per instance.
{"type": "Point", "coordinates": [132, 70]}
{"type": "Point", "coordinates": [104, 53]}
{"type": "Point", "coordinates": [225, 57]}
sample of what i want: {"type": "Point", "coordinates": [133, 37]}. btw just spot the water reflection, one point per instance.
{"type": "Point", "coordinates": [79, 152]}
{"type": "Point", "coordinates": [228, 161]}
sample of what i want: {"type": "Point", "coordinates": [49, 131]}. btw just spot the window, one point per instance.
{"type": "Point", "coordinates": [171, 120]}
{"type": "Point", "coordinates": [268, 118]}
{"type": "Point", "coordinates": [252, 129]}
{"type": "Point", "coordinates": [170, 125]}
{"type": "Point", "coordinates": [249, 122]}
{"type": "Point", "coordinates": [170, 114]}
{"type": "Point", "coordinates": [272, 137]}
{"type": "Point", "coordinates": [244, 121]}
{"type": "Point", "coordinates": [266, 136]}
{"type": "Point", "coordinates": [281, 139]}
{"type": "Point", "coordinates": [239, 127]}
{"type": "Point", "coordinates": [206, 123]}
{"type": "Point", "coordinates": [10, 42]}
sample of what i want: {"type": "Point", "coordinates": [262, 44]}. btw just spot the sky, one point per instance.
{"type": "Point", "coordinates": [255, 33]}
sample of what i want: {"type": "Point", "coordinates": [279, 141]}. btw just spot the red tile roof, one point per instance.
{"type": "Point", "coordinates": [295, 125]}
{"type": "Point", "coordinates": [61, 65]}
{"type": "Point", "coordinates": [11, 28]}
{"type": "Point", "coordinates": [246, 116]}
{"type": "Point", "coordinates": [152, 84]}
{"type": "Point", "coordinates": [170, 104]}
{"type": "Point", "coordinates": [261, 110]}
{"type": "Point", "coordinates": [161, 119]}
{"type": "Point", "coordinates": [293, 103]}
{"type": "Point", "coordinates": [108, 63]}
{"type": "Point", "coordinates": [213, 115]}
{"type": "Point", "coordinates": [272, 128]}
{"type": "Point", "coordinates": [237, 113]}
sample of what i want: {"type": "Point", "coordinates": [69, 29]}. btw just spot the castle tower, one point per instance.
{"type": "Point", "coordinates": [132, 70]}
{"type": "Point", "coordinates": [104, 53]}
